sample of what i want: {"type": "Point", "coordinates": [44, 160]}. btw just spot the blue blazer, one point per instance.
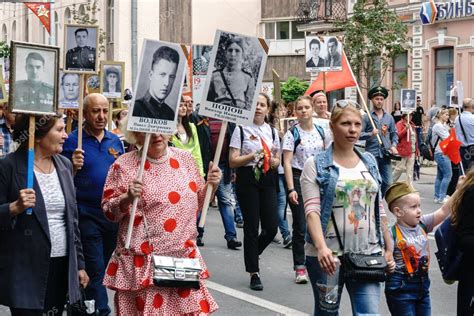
{"type": "Point", "coordinates": [25, 244]}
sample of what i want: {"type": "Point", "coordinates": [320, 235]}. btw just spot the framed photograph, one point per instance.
{"type": "Point", "coordinates": [234, 77]}
{"type": "Point", "coordinates": [408, 100]}
{"type": "Point", "coordinates": [34, 78]}
{"type": "Point", "coordinates": [112, 79]}
{"type": "Point", "coordinates": [158, 88]}
{"type": "Point", "coordinates": [287, 123]}
{"type": "Point", "coordinates": [69, 85]}
{"type": "Point", "coordinates": [80, 52]}
{"type": "Point", "coordinates": [323, 53]}
{"type": "Point", "coordinates": [3, 91]}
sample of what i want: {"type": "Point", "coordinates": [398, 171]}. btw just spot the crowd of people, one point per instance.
{"type": "Point", "coordinates": [339, 196]}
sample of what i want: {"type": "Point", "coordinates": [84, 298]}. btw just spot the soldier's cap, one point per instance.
{"type": "Point", "coordinates": [398, 190]}
{"type": "Point", "coordinates": [379, 90]}
{"type": "Point", "coordinates": [112, 70]}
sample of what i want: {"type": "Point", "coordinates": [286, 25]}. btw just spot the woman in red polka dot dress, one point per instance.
{"type": "Point", "coordinates": [172, 191]}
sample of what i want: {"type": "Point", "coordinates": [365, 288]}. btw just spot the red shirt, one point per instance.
{"type": "Point", "coordinates": [215, 127]}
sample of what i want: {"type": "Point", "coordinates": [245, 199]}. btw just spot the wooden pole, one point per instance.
{"type": "Point", "coordinates": [31, 157]}
{"type": "Point", "coordinates": [135, 200]}
{"type": "Point", "coordinates": [217, 156]}
{"type": "Point", "coordinates": [324, 81]}
{"type": "Point", "coordinates": [409, 127]}
{"type": "Point", "coordinates": [276, 86]}
{"type": "Point", "coordinates": [68, 121]}
{"type": "Point", "coordinates": [109, 118]}
{"type": "Point", "coordinates": [80, 115]}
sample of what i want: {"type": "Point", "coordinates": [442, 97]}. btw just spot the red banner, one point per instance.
{"type": "Point", "coordinates": [42, 11]}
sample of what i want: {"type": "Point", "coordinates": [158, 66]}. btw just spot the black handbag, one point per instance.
{"type": "Point", "coordinates": [359, 266]}
{"type": "Point", "coordinates": [388, 154]}
{"type": "Point", "coordinates": [80, 308]}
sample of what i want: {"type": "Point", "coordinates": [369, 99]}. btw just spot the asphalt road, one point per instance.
{"type": "Point", "coordinates": [229, 283]}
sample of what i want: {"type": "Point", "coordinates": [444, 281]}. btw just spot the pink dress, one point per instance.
{"type": "Point", "coordinates": [173, 193]}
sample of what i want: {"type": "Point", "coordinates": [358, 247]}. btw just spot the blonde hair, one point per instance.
{"type": "Point", "coordinates": [458, 195]}
{"type": "Point", "coordinates": [337, 112]}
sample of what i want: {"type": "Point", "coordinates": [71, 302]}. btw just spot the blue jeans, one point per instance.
{"type": "Point", "coordinates": [408, 296]}
{"type": "Point", "coordinates": [281, 200]}
{"type": "Point", "coordinates": [443, 175]}
{"type": "Point", "coordinates": [224, 201]}
{"type": "Point", "coordinates": [365, 296]}
{"type": "Point", "coordinates": [99, 239]}
{"type": "Point", "coordinates": [237, 211]}
{"type": "Point", "coordinates": [385, 169]}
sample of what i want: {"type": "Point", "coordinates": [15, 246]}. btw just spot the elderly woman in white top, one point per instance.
{"type": "Point", "coordinates": [254, 151]}
{"type": "Point", "coordinates": [440, 131]}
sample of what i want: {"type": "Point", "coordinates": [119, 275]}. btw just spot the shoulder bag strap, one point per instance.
{"type": "Point", "coordinates": [227, 88]}
{"type": "Point", "coordinates": [341, 245]}
{"type": "Point", "coordinates": [462, 129]}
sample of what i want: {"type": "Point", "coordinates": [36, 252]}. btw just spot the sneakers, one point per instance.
{"type": "Point", "coordinates": [437, 201]}
{"type": "Point", "coordinates": [199, 242]}
{"type": "Point", "coordinates": [276, 240]}
{"type": "Point", "coordinates": [255, 282]}
{"type": "Point", "coordinates": [300, 276]}
{"type": "Point", "coordinates": [287, 242]}
{"type": "Point", "coordinates": [234, 244]}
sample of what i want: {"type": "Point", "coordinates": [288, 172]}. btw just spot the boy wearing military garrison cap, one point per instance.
{"type": "Point", "coordinates": [33, 94]}
{"type": "Point", "coordinates": [81, 57]}
{"type": "Point", "coordinates": [385, 128]}
{"type": "Point", "coordinates": [407, 289]}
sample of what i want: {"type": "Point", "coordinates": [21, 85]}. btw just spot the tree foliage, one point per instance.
{"type": "Point", "coordinates": [373, 31]}
{"type": "Point", "coordinates": [88, 17]}
{"type": "Point", "coordinates": [292, 89]}
{"type": "Point", "coordinates": [4, 49]}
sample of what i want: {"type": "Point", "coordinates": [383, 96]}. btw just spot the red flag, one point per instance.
{"type": "Point", "coordinates": [334, 79]}
{"type": "Point", "coordinates": [450, 147]}
{"type": "Point", "coordinates": [266, 156]}
{"type": "Point", "coordinates": [42, 11]}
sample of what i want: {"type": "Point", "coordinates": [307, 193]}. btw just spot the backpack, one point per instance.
{"type": "Point", "coordinates": [449, 256]}
{"type": "Point", "coordinates": [297, 138]}
{"type": "Point", "coordinates": [426, 149]}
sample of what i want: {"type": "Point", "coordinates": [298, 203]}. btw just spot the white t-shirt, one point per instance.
{"type": "Point", "coordinates": [353, 208]}
{"type": "Point", "coordinates": [55, 210]}
{"type": "Point", "coordinates": [253, 135]}
{"type": "Point", "coordinates": [311, 143]}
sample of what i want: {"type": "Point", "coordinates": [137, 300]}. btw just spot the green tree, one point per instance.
{"type": "Point", "coordinates": [4, 49]}
{"type": "Point", "coordinates": [373, 36]}
{"type": "Point", "coordinates": [88, 17]}
{"type": "Point", "coordinates": [292, 89]}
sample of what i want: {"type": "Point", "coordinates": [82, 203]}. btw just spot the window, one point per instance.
{"type": "Point", "coordinates": [4, 33]}
{"type": "Point", "coordinates": [295, 34]}
{"type": "Point", "coordinates": [399, 75]}
{"type": "Point", "coordinates": [375, 75]}
{"type": "Point", "coordinates": [270, 30]}
{"type": "Point", "coordinates": [110, 21]}
{"type": "Point", "coordinates": [14, 30]}
{"type": "Point", "coordinates": [444, 61]}
{"type": "Point", "coordinates": [67, 16]}
{"type": "Point", "coordinates": [82, 10]}
{"type": "Point", "coordinates": [27, 30]}
{"type": "Point", "coordinates": [283, 30]}
{"type": "Point", "coordinates": [56, 28]}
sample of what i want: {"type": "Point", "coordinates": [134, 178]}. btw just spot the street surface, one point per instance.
{"type": "Point", "coordinates": [229, 283]}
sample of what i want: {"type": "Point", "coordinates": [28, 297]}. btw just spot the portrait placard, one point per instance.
{"type": "Point", "coordinates": [34, 78]}
{"type": "Point", "coordinates": [3, 91]}
{"type": "Point", "coordinates": [80, 51]}
{"type": "Point", "coordinates": [323, 53]}
{"type": "Point", "coordinates": [287, 123]}
{"type": "Point", "coordinates": [69, 85]}
{"type": "Point", "coordinates": [158, 88]}
{"type": "Point", "coordinates": [112, 80]}
{"type": "Point", "coordinates": [234, 77]}
{"type": "Point", "coordinates": [408, 100]}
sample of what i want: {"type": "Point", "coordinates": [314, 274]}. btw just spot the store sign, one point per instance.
{"type": "Point", "coordinates": [431, 12]}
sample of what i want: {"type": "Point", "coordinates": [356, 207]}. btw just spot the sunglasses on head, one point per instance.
{"type": "Point", "coordinates": [343, 103]}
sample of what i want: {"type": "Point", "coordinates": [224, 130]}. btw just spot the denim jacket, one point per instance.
{"type": "Point", "coordinates": [327, 176]}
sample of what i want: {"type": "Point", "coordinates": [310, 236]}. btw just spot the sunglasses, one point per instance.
{"type": "Point", "coordinates": [343, 103]}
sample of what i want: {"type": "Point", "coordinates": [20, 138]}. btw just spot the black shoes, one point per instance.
{"type": "Point", "coordinates": [255, 282]}
{"type": "Point", "coordinates": [233, 244]}
{"type": "Point", "coordinates": [199, 242]}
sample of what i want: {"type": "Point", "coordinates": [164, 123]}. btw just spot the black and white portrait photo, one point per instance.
{"type": "Point", "coordinates": [408, 100]}
{"type": "Point", "coordinates": [81, 43]}
{"type": "Point", "coordinates": [201, 57]}
{"type": "Point", "coordinates": [34, 78]}
{"type": "Point", "coordinates": [234, 77]}
{"type": "Point", "coordinates": [158, 88]}
{"type": "Point", "coordinates": [334, 53]}
{"type": "Point", "coordinates": [69, 84]}
{"type": "Point", "coordinates": [314, 57]}
{"type": "Point", "coordinates": [112, 79]}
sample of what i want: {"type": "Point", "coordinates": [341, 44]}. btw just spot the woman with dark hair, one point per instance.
{"type": "Point", "coordinates": [315, 60]}
{"type": "Point", "coordinates": [186, 136]}
{"type": "Point", "coordinates": [397, 113]}
{"type": "Point", "coordinates": [41, 255]}
{"type": "Point", "coordinates": [233, 85]}
{"type": "Point", "coordinates": [254, 152]}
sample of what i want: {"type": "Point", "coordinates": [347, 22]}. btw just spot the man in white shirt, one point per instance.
{"type": "Point", "coordinates": [464, 124]}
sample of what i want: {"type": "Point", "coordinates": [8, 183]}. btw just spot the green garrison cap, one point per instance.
{"type": "Point", "coordinates": [375, 91]}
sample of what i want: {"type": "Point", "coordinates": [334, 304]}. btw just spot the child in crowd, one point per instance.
{"type": "Point", "coordinates": [407, 289]}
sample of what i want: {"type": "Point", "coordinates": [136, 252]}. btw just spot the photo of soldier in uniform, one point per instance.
{"type": "Point", "coordinates": [34, 78]}
{"type": "Point", "coordinates": [68, 90]}
{"type": "Point", "coordinates": [202, 56]}
{"type": "Point", "coordinates": [408, 97]}
{"type": "Point", "coordinates": [112, 76]}
{"type": "Point", "coordinates": [158, 87]}
{"type": "Point", "coordinates": [81, 48]}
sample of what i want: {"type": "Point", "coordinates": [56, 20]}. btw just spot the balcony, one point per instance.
{"type": "Point", "coordinates": [321, 11]}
